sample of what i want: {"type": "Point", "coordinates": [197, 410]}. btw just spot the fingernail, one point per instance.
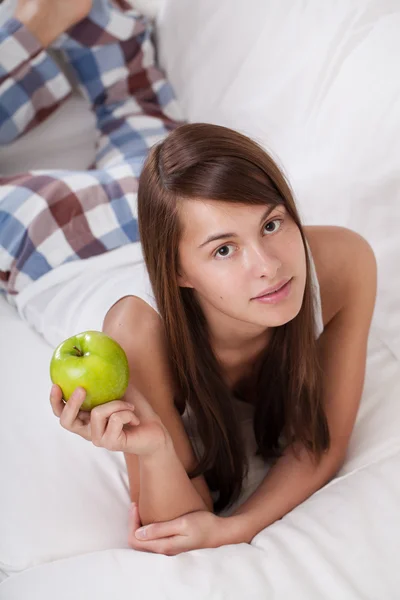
{"type": "Point", "coordinates": [141, 533]}
{"type": "Point", "coordinates": [132, 507]}
{"type": "Point", "coordinates": [53, 388]}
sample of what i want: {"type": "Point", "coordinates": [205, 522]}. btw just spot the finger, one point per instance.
{"type": "Point", "coordinates": [168, 546]}
{"type": "Point", "coordinates": [100, 414]}
{"type": "Point", "coordinates": [114, 436]}
{"type": "Point", "coordinates": [56, 400]}
{"type": "Point", "coordinates": [83, 416]}
{"type": "Point", "coordinates": [156, 531]}
{"type": "Point", "coordinates": [72, 407]}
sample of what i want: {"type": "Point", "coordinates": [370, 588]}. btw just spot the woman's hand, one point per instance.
{"type": "Point", "coordinates": [117, 425]}
{"type": "Point", "coordinates": [199, 529]}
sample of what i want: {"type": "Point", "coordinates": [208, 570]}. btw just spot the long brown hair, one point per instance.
{"type": "Point", "coordinates": [204, 161]}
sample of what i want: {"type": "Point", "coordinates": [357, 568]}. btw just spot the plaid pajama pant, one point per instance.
{"type": "Point", "coordinates": [48, 218]}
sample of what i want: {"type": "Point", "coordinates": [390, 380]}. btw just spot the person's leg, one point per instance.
{"type": "Point", "coordinates": [49, 218]}
{"type": "Point", "coordinates": [31, 85]}
{"type": "Point", "coordinates": [112, 55]}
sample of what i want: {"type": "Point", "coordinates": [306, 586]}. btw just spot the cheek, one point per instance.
{"type": "Point", "coordinates": [215, 285]}
{"type": "Point", "coordinates": [299, 266]}
{"type": "Point", "coordinates": [294, 252]}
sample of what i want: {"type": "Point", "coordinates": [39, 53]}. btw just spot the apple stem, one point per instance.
{"type": "Point", "coordinates": [80, 353]}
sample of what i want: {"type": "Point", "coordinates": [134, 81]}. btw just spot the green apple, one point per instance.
{"type": "Point", "coordinates": [94, 361]}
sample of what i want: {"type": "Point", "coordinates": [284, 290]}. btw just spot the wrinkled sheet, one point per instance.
{"type": "Point", "coordinates": [63, 526]}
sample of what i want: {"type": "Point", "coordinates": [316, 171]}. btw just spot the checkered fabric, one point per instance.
{"type": "Point", "coordinates": [31, 85]}
{"type": "Point", "coordinates": [48, 218]}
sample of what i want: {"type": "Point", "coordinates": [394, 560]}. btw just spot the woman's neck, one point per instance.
{"type": "Point", "coordinates": [239, 363]}
{"type": "Point", "coordinates": [237, 345]}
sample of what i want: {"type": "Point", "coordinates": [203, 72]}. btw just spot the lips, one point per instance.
{"type": "Point", "coordinates": [273, 288]}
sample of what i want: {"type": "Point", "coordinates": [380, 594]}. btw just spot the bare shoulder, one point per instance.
{"type": "Point", "coordinates": [131, 315]}
{"type": "Point", "coordinates": [346, 267]}
{"type": "Point", "coordinates": [138, 328]}
{"type": "Point", "coordinates": [133, 324]}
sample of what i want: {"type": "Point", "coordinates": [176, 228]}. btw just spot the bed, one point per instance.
{"type": "Point", "coordinates": [315, 86]}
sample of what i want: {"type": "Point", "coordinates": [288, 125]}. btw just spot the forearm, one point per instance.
{"type": "Point", "coordinates": [165, 490]}
{"type": "Point", "coordinates": [289, 482]}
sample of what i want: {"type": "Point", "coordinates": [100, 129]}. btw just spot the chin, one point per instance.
{"type": "Point", "coordinates": [280, 316]}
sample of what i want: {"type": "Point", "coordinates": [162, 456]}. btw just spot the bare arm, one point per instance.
{"type": "Point", "coordinates": [343, 346]}
{"type": "Point", "coordinates": [160, 483]}
{"type": "Point", "coordinates": [166, 491]}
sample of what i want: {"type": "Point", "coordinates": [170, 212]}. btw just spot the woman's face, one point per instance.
{"type": "Point", "coordinates": [255, 251]}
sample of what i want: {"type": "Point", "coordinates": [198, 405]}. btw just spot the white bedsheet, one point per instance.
{"type": "Point", "coordinates": [64, 509]}
{"type": "Point", "coordinates": [338, 546]}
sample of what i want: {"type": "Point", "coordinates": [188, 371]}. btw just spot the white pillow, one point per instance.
{"type": "Point", "coordinates": [316, 84]}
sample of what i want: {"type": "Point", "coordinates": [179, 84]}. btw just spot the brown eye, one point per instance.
{"type": "Point", "coordinates": [273, 225]}
{"type": "Point", "coordinates": [222, 251]}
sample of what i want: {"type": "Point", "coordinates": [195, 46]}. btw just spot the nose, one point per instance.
{"type": "Point", "coordinates": [263, 263]}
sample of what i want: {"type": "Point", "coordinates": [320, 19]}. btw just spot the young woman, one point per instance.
{"type": "Point", "coordinates": [249, 307]}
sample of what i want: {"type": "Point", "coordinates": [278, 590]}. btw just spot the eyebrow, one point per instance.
{"type": "Point", "coordinates": [220, 236]}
